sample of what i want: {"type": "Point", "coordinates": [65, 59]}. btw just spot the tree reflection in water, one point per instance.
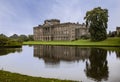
{"type": "Point", "coordinates": [118, 54]}
{"type": "Point", "coordinates": [5, 51]}
{"type": "Point", "coordinates": [96, 67]}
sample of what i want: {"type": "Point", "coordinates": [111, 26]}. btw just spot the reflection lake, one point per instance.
{"type": "Point", "coordinates": [63, 62]}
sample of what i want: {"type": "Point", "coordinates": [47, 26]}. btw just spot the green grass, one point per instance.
{"type": "Point", "coordinates": [110, 42]}
{"type": "Point", "coordinates": [14, 77]}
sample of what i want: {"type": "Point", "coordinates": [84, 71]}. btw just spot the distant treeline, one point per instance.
{"type": "Point", "coordinates": [22, 37]}
{"type": "Point", "coordinates": [14, 40]}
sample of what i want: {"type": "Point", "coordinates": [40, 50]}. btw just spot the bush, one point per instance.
{"type": "Point", "coordinates": [85, 37]}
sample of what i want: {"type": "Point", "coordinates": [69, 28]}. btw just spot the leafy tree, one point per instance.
{"type": "Point", "coordinates": [3, 40]}
{"type": "Point", "coordinates": [96, 20]}
{"type": "Point", "coordinates": [23, 38]}
{"type": "Point", "coordinates": [3, 35]}
{"type": "Point", "coordinates": [14, 36]}
{"type": "Point", "coordinates": [30, 37]}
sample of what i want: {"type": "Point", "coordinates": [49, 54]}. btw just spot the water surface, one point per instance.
{"type": "Point", "coordinates": [63, 62]}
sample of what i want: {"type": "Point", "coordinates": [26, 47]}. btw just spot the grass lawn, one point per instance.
{"type": "Point", "coordinates": [110, 42]}
{"type": "Point", "coordinates": [14, 77]}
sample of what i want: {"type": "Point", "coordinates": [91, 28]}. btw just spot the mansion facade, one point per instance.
{"type": "Point", "coordinates": [54, 30]}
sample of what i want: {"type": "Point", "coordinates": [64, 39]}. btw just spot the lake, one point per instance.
{"type": "Point", "coordinates": [63, 62]}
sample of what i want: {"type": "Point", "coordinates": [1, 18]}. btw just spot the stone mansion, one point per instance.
{"type": "Point", "coordinates": [54, 30]}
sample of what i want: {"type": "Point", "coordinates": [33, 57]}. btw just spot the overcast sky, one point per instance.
{"type": "Point", "coordinates": [20, 16]}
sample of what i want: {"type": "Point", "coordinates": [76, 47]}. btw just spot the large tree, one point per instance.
{"type": "Point", "coordinates": [96, 20]}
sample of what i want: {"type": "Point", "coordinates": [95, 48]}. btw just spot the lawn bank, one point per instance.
{"type": "Point", "coordinates": [6, 76]}
{"type": "Point", "coordinates": [110, 42]}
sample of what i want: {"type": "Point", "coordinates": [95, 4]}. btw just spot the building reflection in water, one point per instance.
{"type": "Point", "coordinates": [54, 54]}
{"type": "Point", "coordinates": [96, 67]}
{"type": "Point", "coordinates": [95, 58]}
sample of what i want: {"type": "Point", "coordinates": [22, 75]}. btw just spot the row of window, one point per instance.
{"type": "Point", "coordinates": [55, 38]}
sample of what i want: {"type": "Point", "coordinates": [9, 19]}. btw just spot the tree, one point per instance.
{"type": "Point", "coordinates": [3, 35]}
{"type": "Point", "coordinates": [30, 37]}
{"type": "Point", "coordinates": [14, 36]}
{"type": "Point", "coordinates": [3, 40]}
{"type": "Point", "coordinates": [96, 20]}
{"type": "Point", "coordinates": [23, 38]}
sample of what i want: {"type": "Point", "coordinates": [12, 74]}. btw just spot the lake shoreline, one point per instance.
{"type": "Point", "coordinates": [10, 77]}
{"type": "Point", "coordinates": [41, 63]}
{"type": "Point", "coordinates": [110, 42]}
{"type": "Point", "coordinates": [20, 46]}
